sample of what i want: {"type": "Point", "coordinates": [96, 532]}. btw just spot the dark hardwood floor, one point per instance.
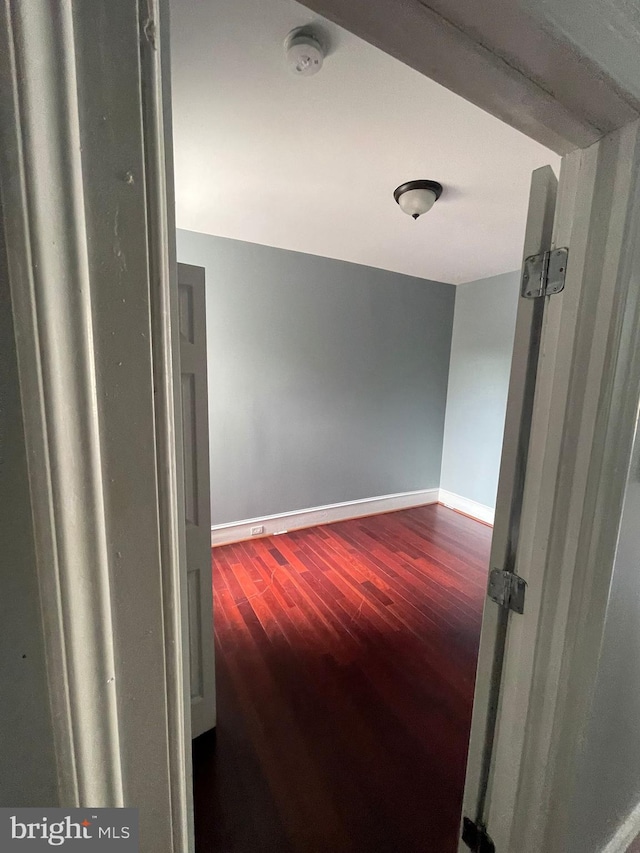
{"type": "Point", "coordinates": [345, 666]}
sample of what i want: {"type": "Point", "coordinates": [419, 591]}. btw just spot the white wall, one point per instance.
{"type": "Point", "coordinates": [482, 342]}
{"type": "Point", "coordinates": [608, 782]}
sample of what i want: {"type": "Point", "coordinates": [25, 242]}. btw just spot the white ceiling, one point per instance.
{"type": "Point", "coordinates": [310, 163]}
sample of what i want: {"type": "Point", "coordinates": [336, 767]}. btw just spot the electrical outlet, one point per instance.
{"type": "Point", "coordinates": [256, 531]}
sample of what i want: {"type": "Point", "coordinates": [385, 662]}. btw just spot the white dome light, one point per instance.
{"type": "Point", "coordinates": [417, 197]}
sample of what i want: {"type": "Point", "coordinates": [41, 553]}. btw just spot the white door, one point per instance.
{"type": "Point", "coordinates": [513, 472]}
{"type": "Point", "coordinates": [195, 431]}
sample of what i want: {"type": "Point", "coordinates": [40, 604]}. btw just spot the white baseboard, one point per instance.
{"type": "Point", "coordinates": [627, 832]}
{"type": "Point", "coordinates": [236, 531]}
{"type": "Point", "coordinates": [467, 506]}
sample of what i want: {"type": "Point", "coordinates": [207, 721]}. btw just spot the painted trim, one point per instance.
{"type": "Point", "coordinates": [237, 531]}
{"type": "Point", "coordinates": [87, 217]}
{"type": "Point", "coordinates": [627, 832]}
{"type": "Point", "coordinates": [45, 228]}
{"type": "Point", "coordinates": [476, 510]}
{"type": "Point", "coordinates": [155, 71]}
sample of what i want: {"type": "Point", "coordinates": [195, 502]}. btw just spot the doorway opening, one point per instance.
{"type": "Point", "coordinates": [358, 373]}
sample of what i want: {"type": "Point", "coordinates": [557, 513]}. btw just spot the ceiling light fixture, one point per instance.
{"type": "Point", "coordinates": [417, 197]}
{"type": "Point", "coordinates": [304, 51]}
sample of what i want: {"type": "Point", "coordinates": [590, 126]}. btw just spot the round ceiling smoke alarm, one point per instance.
{"type": "Point", "coordinates": [304, 53]}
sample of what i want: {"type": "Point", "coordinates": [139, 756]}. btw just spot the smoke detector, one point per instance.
{"type": "Point", "coordinates": [304, 52]}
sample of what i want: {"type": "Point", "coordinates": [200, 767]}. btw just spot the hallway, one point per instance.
{"type": "Point", "coordinates": [345, 663]}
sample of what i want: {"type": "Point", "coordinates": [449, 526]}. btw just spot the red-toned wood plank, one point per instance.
{"type": "Point", "coordinates": [347, 658]}
{"type": "Point", "coordinates": [426, 582]}
{"type": "Point", "coordinates": [416, 601]}
{"type": "Point", "coordinates": [299, 794]}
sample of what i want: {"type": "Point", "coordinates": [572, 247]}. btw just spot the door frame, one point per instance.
{"type": "Point", "coordinates": [585, 410]}
{"type": "Point", "coordinates": [88, 219]}
{"type": "Point", "coordinates": [89, 216]}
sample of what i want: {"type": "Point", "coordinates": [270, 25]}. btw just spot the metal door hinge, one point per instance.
{"type": "Point", "coordinates": [544, 274]}
{"type": "Point", "coordinates": [507, 590]}
{"type": "Point", "coordinates": [476, 838]}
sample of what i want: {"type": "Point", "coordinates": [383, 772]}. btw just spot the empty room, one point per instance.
{"type": "Point", "coordinates": [350, 236]}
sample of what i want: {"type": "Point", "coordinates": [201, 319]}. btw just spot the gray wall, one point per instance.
{"type": "Point", "coordinates": [28, 772]}
{"type": "Point", "coordinates": [327, 380]}
{"type": "Point", "coordinates": [483, 330]}
{"type": "Point", "coordinates": [608, 782]}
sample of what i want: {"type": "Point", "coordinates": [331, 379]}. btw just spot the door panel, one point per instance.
{"type": "Point", "coordinates": [195, 430]}
{"type": "Point", "coordinates": [189, 438]}
{"type": "Point", "coordinates": [513, 469]}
